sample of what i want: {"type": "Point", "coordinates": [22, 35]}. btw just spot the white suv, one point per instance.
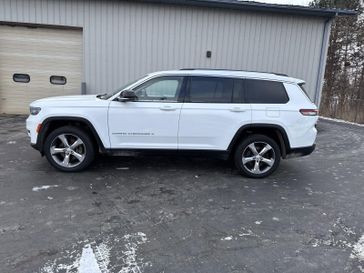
{"type": "Point", "coordinates": [254, 118]}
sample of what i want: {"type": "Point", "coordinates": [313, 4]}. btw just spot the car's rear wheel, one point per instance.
{"type": "Point", "coordinates": [257, 156]}
{"type": "Point", "coordinates": [69, 149]}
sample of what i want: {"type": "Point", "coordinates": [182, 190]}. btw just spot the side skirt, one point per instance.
{"type": "Point", "coordinates": [166, 152]}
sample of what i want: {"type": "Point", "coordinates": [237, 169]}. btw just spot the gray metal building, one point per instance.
{"type": "Point", "coordinates": [50, 47]}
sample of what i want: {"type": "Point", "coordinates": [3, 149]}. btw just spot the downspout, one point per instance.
{"type": "Point", "coordinates": [322, 63]}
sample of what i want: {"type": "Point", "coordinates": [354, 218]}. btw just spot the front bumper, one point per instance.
{"type": "Point", "coordinates": [35, 138]}
{"type": "Point", "coordinates": [302, 151]}
{"type": "Point", "coordinates": [31, 125]}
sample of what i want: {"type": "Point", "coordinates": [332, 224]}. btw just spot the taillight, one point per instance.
{"type": "Point", "coordinates": [309, 112]}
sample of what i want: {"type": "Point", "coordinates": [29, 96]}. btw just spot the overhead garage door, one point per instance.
{"type": "Point", "coordinates": [37, 63]}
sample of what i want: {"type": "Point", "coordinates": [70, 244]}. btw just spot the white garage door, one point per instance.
{"type": "Point", "coordinates": [37, 63]}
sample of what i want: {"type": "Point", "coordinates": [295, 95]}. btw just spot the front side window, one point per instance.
{"type": "Point", "coordinates": [160, 89]}
{"type": "Point", "coordinates": [262, 91]}
{"type": "Point", "coordinates": [210, 90]}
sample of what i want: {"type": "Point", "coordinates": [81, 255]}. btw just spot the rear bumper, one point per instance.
{"type": "Point", "coordinates": [302, 151]}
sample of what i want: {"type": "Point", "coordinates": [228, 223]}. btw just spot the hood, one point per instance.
{"type": "Point", "coordinates": [71, 101]}
{"type": "Point", "coordinates": [67, 98]}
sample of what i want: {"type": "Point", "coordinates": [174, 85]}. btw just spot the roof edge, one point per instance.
{"type": "Point", "coordinates": [259, 7]}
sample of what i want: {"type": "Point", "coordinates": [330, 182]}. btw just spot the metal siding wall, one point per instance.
{"type": "Point", "coordinates": [125, 40]}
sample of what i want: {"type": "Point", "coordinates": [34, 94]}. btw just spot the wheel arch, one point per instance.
{"type": "Point", "coordinates": [276, 132]}
{"type": "Point", "coordinates": [52, 123]}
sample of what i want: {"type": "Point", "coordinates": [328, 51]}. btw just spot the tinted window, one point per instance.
{"type": "Point", "coordinates": [24, 78]}
{"type": "Point", "coordinates": [163, 88]}
{"type": "Point", "coordinates": [238, 96]}
{"type": "Point", "coordinates": [302, 86]}
{"type": "Point", "coordinates": [59, 80]}
{"type": "Point", "coordinates": [260, 91]}
{"type": "Point", "coordinates": [211, 89]}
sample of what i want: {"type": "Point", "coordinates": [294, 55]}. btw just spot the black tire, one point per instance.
{"type": "Point", "coordinates": [85, 149]}
{"type": "Point", "coordinates": [271, 156]}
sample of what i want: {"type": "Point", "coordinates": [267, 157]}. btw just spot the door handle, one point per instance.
{"type": "Point", "coordinates": [237, 109]}
{"type": "Point", "coordinates": [167, 108]}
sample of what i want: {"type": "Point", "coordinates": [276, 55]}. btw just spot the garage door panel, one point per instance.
{"type": "Point", "coordinates": [51, 34]}
{"type": "Point", "coordinates": [39, 48]}
{"type": "Point", "coordinates": [40, 53]}
{"type": "Point", "coordinates": [51, 65]}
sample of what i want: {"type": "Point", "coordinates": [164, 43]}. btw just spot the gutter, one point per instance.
{"type": "Point", "coordinates": [322, 62]}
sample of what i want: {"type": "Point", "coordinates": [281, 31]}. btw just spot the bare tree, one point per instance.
{"type": "Point", "coordinates": [343, 90]}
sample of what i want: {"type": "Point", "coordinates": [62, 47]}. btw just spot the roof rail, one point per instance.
{"type": "Point", "coordinates": [224, 69]}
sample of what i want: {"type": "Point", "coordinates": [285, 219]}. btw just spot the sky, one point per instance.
{"type": "Point", "coordinates": [289, 2]}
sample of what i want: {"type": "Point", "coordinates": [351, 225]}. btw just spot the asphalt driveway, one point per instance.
{"type": "Point", "coordinates": [182, 214]}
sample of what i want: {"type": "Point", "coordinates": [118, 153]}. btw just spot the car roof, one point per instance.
{"type": "Point", "coordinates": [229, 73]}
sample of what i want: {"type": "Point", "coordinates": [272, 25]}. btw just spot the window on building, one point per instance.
{"type": "Point", "coordinates": [262, 91]}
{"type": "Point", "coordinates": [58, 80]}
{"type": "Point", "coordinates": [160, 89]}
{"type": "Point", "coordinates": [23, 78]}
{"type": "Point", "coordinates": [211, 90]}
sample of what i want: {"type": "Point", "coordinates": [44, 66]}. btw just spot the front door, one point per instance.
{"type": "Point", "coordinates": [150, 122]}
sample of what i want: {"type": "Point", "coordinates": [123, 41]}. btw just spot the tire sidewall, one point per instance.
{"type": "Point", "coordinates": [90, 151]}
{"type": "Point", "coordinates": [241, 147]}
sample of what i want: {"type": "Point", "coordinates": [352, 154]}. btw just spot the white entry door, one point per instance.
{"type": "Point", "coordinates": [150, 122]}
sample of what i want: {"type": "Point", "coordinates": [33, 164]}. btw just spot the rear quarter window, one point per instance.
{"type": "Point", "coordinates": [302, 86]}
{"type": "Point", "coordinates": [262, 91]}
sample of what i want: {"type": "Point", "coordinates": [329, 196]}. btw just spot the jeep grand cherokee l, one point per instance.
{"type": "Point", "coordinates": [253, 118]}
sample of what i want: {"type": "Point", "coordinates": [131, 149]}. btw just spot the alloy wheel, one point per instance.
{"type": "Point", "coordinates": [68, 150]}
{"type": "Point", "coordinates": [258, 157]}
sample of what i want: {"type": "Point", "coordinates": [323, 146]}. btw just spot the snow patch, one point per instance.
{"type": "Point", "coordinates": [44, 187]}
{"type": "Point", "coordinates": [95, 257]}
{"type": "Point", "coordinates": [132, 263]}
{"type": "Point", "coordinates": [275, 219]}
{"type": "Point", "coordinates": [88, 262]}
{"type": "Point", "coordinates": [358, 249]}
{"type": "Point", "coordinates": [247, 232]}
{"type": "Point", "coordinates": [258, 222]}
{"type": "Point", "coordinates": [103, 256]}
{"type": "Point", "coordinates": [228, 238]}
{"type": "Point", "coordinates": [12, 142]}
{"type": "Point", "coordinates": [342, 121]}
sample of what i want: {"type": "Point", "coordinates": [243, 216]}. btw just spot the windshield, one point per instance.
{"type": "Point", "coordinates": [109, 95]}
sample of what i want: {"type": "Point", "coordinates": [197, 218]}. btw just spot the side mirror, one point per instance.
{"type": "Point", "coordinates": [127, 95]}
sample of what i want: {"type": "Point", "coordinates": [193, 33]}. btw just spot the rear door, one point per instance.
{"type": "Point", "coordinates": [213, 111]}
{"type": "Point", "coordinates": [268, 101]}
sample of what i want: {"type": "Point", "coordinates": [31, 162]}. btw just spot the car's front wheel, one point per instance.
{"type": "Point", "coordinates": [69, 149]}
{"type": "Point", "coordinates": [257, 156]}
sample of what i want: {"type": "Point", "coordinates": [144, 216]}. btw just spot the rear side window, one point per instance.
{"type": "Point", "coordinates": [261, 91]}
{"type": "Point", "coordinates": [211, 90]}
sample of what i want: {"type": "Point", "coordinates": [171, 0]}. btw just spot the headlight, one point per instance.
{"type": "Point", "coordinates": [34, 110]}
